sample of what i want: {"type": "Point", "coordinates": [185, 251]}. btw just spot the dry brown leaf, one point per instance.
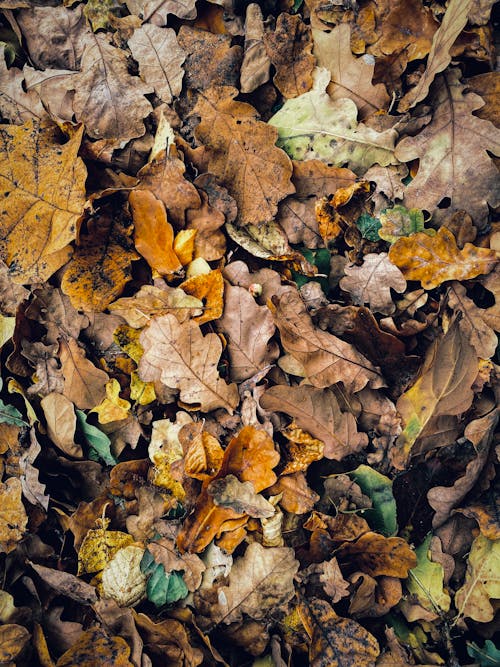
{"type": "Point", "coordinates": [443, 388]}
{"type": "Point", "coordinates": [317, 411]}
{"type": "Point", "coordinates": [452, 24]}
{"type": "Point", "coordinates": [206, 221]}
{"type": "Point", "coordinates": [54, 310]}
{"type": "Point", "coordinates": [101, 264]}
{"type": "Point", "coordinates": [164, 176]}
{"type": "Point", "coordinates": [204, 454]}
{"type": "Point", "coordinates": [260, 581]}
{"type": "Point", "coordinates": [350, 76]}
{"type": "Point", "coordinates": [452, 151]}
{"type": "Point", "coordinates": [11, 294]}
{"type": "Point", "coordinates": [157, 11]}
{"type": "Point", "coordinates": [104, 88]}
{"type": "Point", "coordinates": [290, 49]}
{"type": "Point", "coordinates": [480, 335]}
{"type": "Point", "coordinates": [378, 555]}
{"type": "Point", "coordinates": [153, 234]}
{"type": "Point", "coordinates": [66, 584]}
{"type": "Point", "coordinates": [84, 383]}
{"type": "Point", "coordinates": [326, 358]}
{"type": "Point", "coordinates": [372, 282]}
{"type": "Point", "coordinates": [179, 356]}
{"type": "Point", "coordinates": [435, 259]}
{"type": "Point", "coordinates": [239, 496]}
{"type": "Point", "coordinates": [243, 155]}
{"type": "Point", "coordinates": [16, 105]}
{"type": "Point", "coordinates": [248, 328]}
{"type": "Point", "coordinates": [61, 423]}
{"type": "Point", "coordinates": [169, 641]}
{"type": "Point", "coordinates": [160, 59]}
{"type": "Point", "coordinates": [256, 63]}
{"type": "Point", "coordinates": [336, 641]}
{"type": "Point", "coordinates": [297, 496]}
{"type": "Point", "coordinates": [45, 186]}
{"type": "Point", "coordinates": [13, 517]}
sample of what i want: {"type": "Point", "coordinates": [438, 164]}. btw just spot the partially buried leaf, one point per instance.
{"type": "Point", "coordinates": [350, 76]}
{"type": "Point", "coordinates": [153, 234]}
{"type": "Point", "coordinates": [96, 644]}
{"type": "Point", "coordinates": [256, 63]}
{"type": "Point", "coordinates": [156, 11]}
{"type": "Point", "coordinates": [84, 383]}
{"type": "Point", "coordinates": [103, 88]}
{"type": "Point", "coordinates": [383, 514]}
{"type": "Point", "coordinates": [314, 126]}
{"type": "Point", "coordinates": [13, 517]}
{"type": "Point", "coordinates": [160, 59]}
{"type": "Point", "coordinates": [122, 578]}
{"type": "Point", "coordinates": [260, 582]}
{"type": "Point", "coordinates": [13, 641]}
{"type": "Point", "coordinates": [208, 288]}
{"type": "Point", "coordinates": [452, 150]}
{"type": "Point", "coordinates": [487, 656]}
{"type": "Point", "coordinates": [435, 259]}
{"type": "Point", "coordinates": [113, 408]}
{"type": "Point", "coordinates": [326, 358]}
{"type": "Point", "coordinates": [182, 358]}
{"type": "Point", "coordinates": [16, 105]}
{"type": "Point", "coordinates": [378, 555]}
{"type": "Point", "coordinates": [242, 154]}
{"type": "Point", "coordinates": [228, 491]}
{"type": "Point", "coordinates": [101, 265]}
{"type": "Point", "coordinates": [99, 546]}
{"type": "Point", "coordinates": [482, 581]}
{"type": "Point", "coordinates": [289, 48]}
{"type": "Point", "coordinates": [399, 221]}
{"type": "Point", "coordinates": [443, 388]}
{"type": "Point", "coordinates": [43, 185]}
{"type": "Point", "coordinates": [66, 584]}
{"type": "Point", "coordinates": [372, 282]}
{"type": "Point", "coordinates": [336, 641]}
{"type": "Point", "coordinates": [426, 580]}
{"type": "Point", "coordinates": [248, 328]}
{"type": "Point", "coordinates": [98, 442]}
{"type": "Point", "coordinates": [480, 335]}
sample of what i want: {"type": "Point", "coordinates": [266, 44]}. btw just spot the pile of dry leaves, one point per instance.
{"type": "Point", "coordinates": [249, 294]}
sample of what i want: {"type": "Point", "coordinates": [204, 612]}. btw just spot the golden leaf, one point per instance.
{"type": "Point", "coordinates": [113, 408]}
{"type": "Point", "coordinates": [95, 645]}
{"type": "Point", "coordinates": [209, 288]}
{"type": "Point", "coordinates": [302, 449]}
{"type": "Point", "coordinates": [434, 259]}
{"type": "Point", "coordinates": [43, 186]}
{"type": "Point", "coordinates": [378, 555]}
{"type": "Point", "coordinates": [13, 517]}
{"type": "Point", "coordinates": [99, 546]}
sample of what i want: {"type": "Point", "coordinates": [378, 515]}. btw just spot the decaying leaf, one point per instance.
{"type": "Point", "coordinates": [13, 517]}
{"type": "Point", "coordinates": [93, 643]}
{"type": "Point", "coordinates": [482, 582]}
{"type": "Point", "coordinates": [378, 555]}
{"type": "Point", "coordinates": [372, 282]}
{"type": "Point", "coordinates": [182, 358]}
{"type": "Point", "coordinates": [84, 383]}
{"type": "Point", "coordinates": [43, 186]}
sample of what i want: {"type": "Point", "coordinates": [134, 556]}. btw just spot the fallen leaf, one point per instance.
{"type": "Point", "coordinates": [399, 221]}
{"type": "Point", "coordinates": [112, 408]}
{"type": "Point", "coordinates": [96, 643]}
{"type": "Point", "coordinates": [248, 329]}
{"type": "Point", "coordinates": [425, 580]}
{"type": "Point", "coordinates": [443, 388]}
{"type": "Point", "coordinates": [13, 517]}
{"type": "Point", "coordinates": [312, 126]}
{"type": "Point", "coordinates": [300, 450]}
{"type": "Point", "coordinates": [122, 578]}
{"type": "Point", "coordinates": [378, 555]}
{"type": "Point", "coordinates": [99, 546]}
{"type": "Point", "coordinates": [335, 639]}
{"type": "Point", "coordinates": [66, 584]}
{"type": "Point", "coordinates": [480, 335]}
{"type": "Point", "coordinates": [204, 454]}
{"type": "Point", "coordinates": [45, 185]}
{"type": "Point", "coordinates": [372, 282]}
{"type": "Point", "coordinates": [326, 358]}
{"type": "Point", "coordinates": [482, 583]}
{"type": "Point", "coordinates": [17, 105]}
{"type": "Point", "coordinates": [84, 383]}
{"type": "Point", "coordinates": [256, 62]}
{"type": "Point", "coordinates": [160, 59]}
{"type": "Point", "coordinates": [351, 77]}
{"type": "Point", "coordinates": [452, 150]}
{"type": "Point", "coordinates": [434, 259]}
{"type": "Point", "coordinates": [261, 580]}
{"type": "Point", "coordinates": [242, 154]}
{"type": "Point", "coordinates": [13, 640]}
{"type": "Point", "coordinates": [297, 496]}
{"type": "Point", "coordinates": [208, 288]}
{"type": "Point", "coordinates": [229, 492]}
{"type": "Point", "coordinates": [452, 24]}
{"type": "Point", "coordinates": [167, 639]}
{"type": "Point", "coordinates": [156, 11]}
{"type": "Point", "coordinates": [192, 363]}
{"type": "Point", "coordinates": [289, 48]}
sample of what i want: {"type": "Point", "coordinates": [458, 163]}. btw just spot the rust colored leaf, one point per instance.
{"type": "Point", "coordinates": [350, 76]}
{"type": "Point", "coordinates": [208, 288]}
{"type": "Point", "coordinates": [101, 265]}
{"type": "Point", "coordinates": [378, 555]}
{"type": "Point", "coordinates": [290, 49]}
{"type": "Point", "coordinates": [45, 185]}
{"type": "Point", "coordinates": [326, 358]}
{"type": "Point", "coordinates": [434, 259]}
{"type": "Point", "coordinates": [84, 383]}
{"type": "Point", "coordinates": [452, 150]}
{"type": "Point", "coordinates": [248, 328]}
{"type": "Point", "coordinates": [204, 454]}
{"type": "Point", "coordinates": [153, 234]}
{"type": "Point", "coordinates": [94, 645]}
{"type": "Point", "coordinates": [13, 517]}
{"type": "Point", "coordinates": [298, 497]}
{"type": "Point", "coordinates": [243, 155]}
{"type": "Point", "coordinates": [336, 641]}
{"type": "Point", "coordinates": [160, 59]}
{"type": "Point", "coordinates": [372, 282]}
{"type": "Point", "coordinates": [182, 358]}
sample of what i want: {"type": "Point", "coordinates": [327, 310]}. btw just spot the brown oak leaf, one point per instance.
{"type": "Point", "coordinates": [84, 383]}
{"type": "Point", "coordinates": [372, 282]}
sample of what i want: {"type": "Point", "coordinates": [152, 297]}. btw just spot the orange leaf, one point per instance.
{"type": "Point", "coordinates": [153, 234]}
{"type": "Point", "coordinates": [208, 287]}
{"type": "Point", "coordinates": [378, 555]}
{"type": "Point", "coordinates": [251, 456]}
{"type": "Point", "coordinates": [434, 259]}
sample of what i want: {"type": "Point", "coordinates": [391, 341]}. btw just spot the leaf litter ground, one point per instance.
{"type": "Point", "coordinates": [249, 310]}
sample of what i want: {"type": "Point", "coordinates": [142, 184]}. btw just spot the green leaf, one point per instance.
{"type": "Point", "coordinates": [426, 580]}
{"type": "Point", "coordinates": [368, 227]}
{"type": "Point", "coordinates": [98, 442]}
{"type": "Point", "coordinates": [312, 125]}
{"type": "Point", "coordinates": [162, 587]}
{"type": "Point", "coordinates": [382, 516]}
{"type": "Point", "coordinates": [487, 656]}
{"type": "Point", "coordinates": [9, 414]}
{"type": "Point", "coordinates": [321, 260]}
{"type": "Point", "coordinates": [400, 221]}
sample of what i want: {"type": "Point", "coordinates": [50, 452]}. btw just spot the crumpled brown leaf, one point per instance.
{"type": "Point", "coordinates": [372, 282]}
{"type": "Point", "coordinates": [243, 155]}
